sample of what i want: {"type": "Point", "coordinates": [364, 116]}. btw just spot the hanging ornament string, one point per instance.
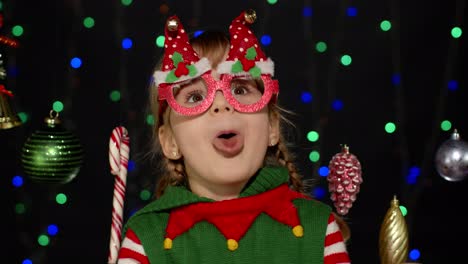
{"type": "Point", "coordinates": [119, 150]}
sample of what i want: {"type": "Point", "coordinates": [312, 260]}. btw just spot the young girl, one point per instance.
{"type": "Point", "coordinates": [230, 192]}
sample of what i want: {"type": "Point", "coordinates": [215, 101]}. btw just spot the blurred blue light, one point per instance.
{"type": "Point", "coordinates": [52, 230]}
{"type": "Point", "coordinates": [396, 79]}
{"type": "Point", "coordinates": [323, 171]}
{"type": "Point", "coordinates": [75, 62]}
{"type": "Point", "coordinates": [306, 97]}
{"type": "Point", "coordinates": [12, 71]}
{"type": "Point", "coordinates": [413, 174]}
{"type": "Point", "coordinates": [351, 11]}
{"type": "Point", "coordinates": [319, 192]}
{"type": "Point", "coordinates": [452, 85]}
{"type": "Point", "coordinates": [27, 261]}
{"type": "Point", "coordinates": [337, 105]}
{"type": "Point", "coordinates": [197, 33]}
{"type": "Point", "coordinates": [17, 181]}
{"type": "Point", "coordinates": [307, 11]}
{"type": "Point", "coordinates": [414, 254]}
{"type": "Point", "coordinates": [127, 43]}
{"type": "Point", "coordinates": [131, 165]}
{"type": "Point", "coordinates": [265, 40]}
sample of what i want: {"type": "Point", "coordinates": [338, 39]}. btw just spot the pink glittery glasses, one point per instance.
{"type": "Point", "coordinates": [195, 96]}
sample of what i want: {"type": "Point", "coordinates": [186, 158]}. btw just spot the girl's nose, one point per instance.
{"type": "Point", "coordinates": [220, 104]}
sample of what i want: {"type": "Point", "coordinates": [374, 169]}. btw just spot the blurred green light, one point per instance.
{"type": "Point", "coordinates": [20, 208]}
{"type": "Point", "coordinates": [150, 120]}
{"type": "Point", "coordinates": [390, 127]}
{"type": "Point", "coordinates": [346, 60]}
{"type": "Point", "coordinates": [456, 32]}
{"type": "Point", "coordinates": [57, 106]}
{"type": "Point", "coordinates": [145, 195]}
{"type": "Point", "coordinates": [403, 210]}
{"type": "Point", "coordinates": [272, 2]}
{"type": "Point", "coordinates": [314, 156]}
{"type": "Point", "coordinates": [17, 30]}
{"type": "Point", "coordinates": [312, 136]}
{"type": "Point", "coordinates": [385, 25]}
{"type": "Point", "coordinates": [115, 96]}
{"type": "Point", "coordinates": [23, 116]}
{"type": "Point", "coordinates": [126, 2]}
{"type": "Point", "coordinates": [43, 240]}
{"type": "Point", "coordinates": [88, 22]}
{"type": "Point", "coordinates": [446, 125]}
{"type": "Point", "coordinates": [1, 5]}
{"type": "Point", "coordinates": [160, 41]}
{"type": "Point", "coordinates": [61, 198]}
{"type": "Point", "coordinates": [321, 46]}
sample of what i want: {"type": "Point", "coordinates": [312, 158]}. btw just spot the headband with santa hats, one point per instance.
{"type": "Point", "coordinates": [245, 55]}
{"type": "Point", "coordinates": [180, 61]}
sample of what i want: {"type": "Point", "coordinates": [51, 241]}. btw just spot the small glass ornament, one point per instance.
{"type": "Point", "coordinates": [52, 154]}
{"type": "Point", "coordinates": [451, 159]}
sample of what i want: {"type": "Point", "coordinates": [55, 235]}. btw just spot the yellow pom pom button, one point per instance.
{"type": "Point", "coordinates": [167, 243]}
{"type": "Point", "coordinates": [232, 244]}
{"type": "Point", "coordinates": [298, 231]}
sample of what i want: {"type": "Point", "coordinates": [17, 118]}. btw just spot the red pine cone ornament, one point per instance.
{"type": "Point", "coordinates": [344, 179]}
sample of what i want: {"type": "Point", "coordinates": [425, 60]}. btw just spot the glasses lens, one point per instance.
{"type": "Point", "coordinates": [247, 90]}
{"type": "Point", "coordinates": [191, 93]}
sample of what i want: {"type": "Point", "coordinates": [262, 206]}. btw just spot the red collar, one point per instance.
{"type": "Point", "coordinates": [234, 217]}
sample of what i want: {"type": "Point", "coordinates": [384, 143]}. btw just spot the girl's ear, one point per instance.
{"type": "Point", "coordinates": [168, 143]}
{"type": "Point", "coordinates": [274, 130]}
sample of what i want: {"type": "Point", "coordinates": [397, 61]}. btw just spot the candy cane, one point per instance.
{"type": "Point", "coordinates": [118, 158]}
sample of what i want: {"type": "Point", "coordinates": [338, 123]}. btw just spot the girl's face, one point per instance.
{"type": "Point", "coordinates": [221, 148]}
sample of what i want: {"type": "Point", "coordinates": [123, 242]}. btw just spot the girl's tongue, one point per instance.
{"type": "Point", "coordinates": [229, 144]}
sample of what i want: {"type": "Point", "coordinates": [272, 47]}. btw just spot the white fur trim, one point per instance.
{"type": "Point", "coordinates": [266, 67]}
{"type": "Point", "coordinates": [202, 66]}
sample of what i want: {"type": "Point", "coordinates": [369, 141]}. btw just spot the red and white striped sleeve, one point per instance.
{"type": "Point", "coordinates": [335, 248]}
{"type": "Point", "coordinates": [131, 250]}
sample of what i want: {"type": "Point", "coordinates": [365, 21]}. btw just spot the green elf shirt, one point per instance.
{"type": "Point", "coordinates": [268, 223]}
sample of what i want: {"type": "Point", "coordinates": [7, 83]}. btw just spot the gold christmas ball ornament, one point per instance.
{"type": "Point", "coordinates": [393, 237]}
{"type": "Point", "coordinates": [250, 16]}
{"type": "Point", "coordinates": [172, 25]}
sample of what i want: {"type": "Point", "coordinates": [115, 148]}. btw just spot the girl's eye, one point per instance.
{"type": "Point", "coordinates": [239, 90]}
{"type": "Point", "coordinates": [195, 97]}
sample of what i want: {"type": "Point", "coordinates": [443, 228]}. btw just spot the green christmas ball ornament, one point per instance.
{"type": "Point", "coordinates": [52, 154]}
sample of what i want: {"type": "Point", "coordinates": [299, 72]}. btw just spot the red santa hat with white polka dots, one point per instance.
{"type": "Point", "coordinates": [245, 55]}
{"type": "Point", "coordinates": [180, 61]}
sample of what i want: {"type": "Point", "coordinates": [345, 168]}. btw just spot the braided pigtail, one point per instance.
{"type": "Point", "coordinates": [285, 158]}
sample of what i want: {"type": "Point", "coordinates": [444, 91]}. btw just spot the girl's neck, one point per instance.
{"type": "Point", "coordinates": [217, 192]}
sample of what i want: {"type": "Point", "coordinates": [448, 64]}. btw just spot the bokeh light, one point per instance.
{"type": "Point", "coordinates": [337, 105]}
{"type": "Point", "coordinates": [164, 9]}
{"type": "Point", "coordinates": [390, 127]}
{"type": "Point", "coordinates": [131, 165]}
{"type": "Point", "coordinates": [272, 2]}
{"type": "Point", "coordinates": [403, 210]}
{"type": "Point", "coordinates": [150, 120]}
{"type": "Point", "coordinates": [88, 22]}
{"type": "Point", "coordinates": [197, 33]}
{"type": "Point", "coordinates": [414, 254]}
{"type": "Point", "coordinates": [115, 96]}
{"type": "Point", "coordinates": [52, 230]}
{"type": "Point", "coordinates": [321, 46]}
{"type": "Point", "coordinates": [446, 125]}
{"type": "Point", "coordinates": [23, 116]}
{"type": "Point", "coordinates": [306, 97]}
{"type": "Point", "coordinates": [126, 2]}
{"type": "Point", "coordinates": [17, 181]}
{"type": "Point", "coordinates": [127, 43]}
{"type": "Point", "coordinates": [75, 63]}
{"type": "Point", "coordinates": [27, 261]}
{"type": "Point", "coordinates": [413, 174]}
{"type": "Point", "coordinates": [57, 106]}
{"type": "Point", "coordinates": [160, 41]}
{"type": "Point", "coordinates": [319, 192]}
{"type": "Point", "coordinates": [307, 11]}
{"type": "Point", "coordinates": [145, 195]}
{"type": "Point", "coordinates": [385, 25]}
{"type": "Point", "coordinates": [452, 85]}
{"type": "Point", "coordinates": [61, 198]}
{"type": "Point", "coordinates": [346, 60]}
{"type": "Point", "coordinates": [43, 240]}
{"type": "Point", "coordinates": [312, 136]}
{"type": "Point", "coordinates": [456, 32]}
{"type": "Point", "coordinates": [17, 31]}
{"type": "Point", "coordinates": [396, 79]}
{"type": "Point", "coordinates": [323, 171]}
{"type": "Point", "coordinates": [314, 156]}
{"type": "Point", "coordinates": [20, 208]}
{"type": "Point", "coordinates": [351, 11]}
{"type": "Point", "coordinates": [265, 40]}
